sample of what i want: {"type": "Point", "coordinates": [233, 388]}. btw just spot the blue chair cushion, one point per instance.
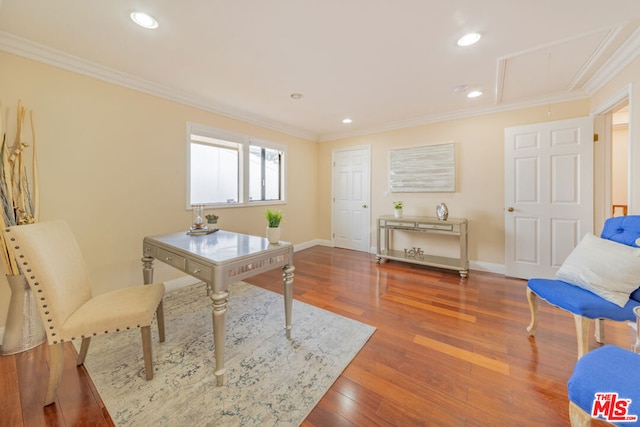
{"type": "Point", "coordinates": [605, 370]}
{"type": "Point", "coordinates": [622, 229]}
{"type": "Point", "coordinates": [582, 302]}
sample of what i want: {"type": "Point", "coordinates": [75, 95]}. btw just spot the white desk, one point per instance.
{"type": "Point", "coordinates": [220, 259]}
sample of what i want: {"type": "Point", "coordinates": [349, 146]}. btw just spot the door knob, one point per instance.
{"type": "Point", "coordinates": [510, 209]}
{"type": "Point", "coordinates": [365, 206]}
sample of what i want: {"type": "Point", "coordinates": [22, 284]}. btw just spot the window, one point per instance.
{"type": "Point", "coordinates": [232, 169]}
{"type": "Point", "coordinates": [264, 173]}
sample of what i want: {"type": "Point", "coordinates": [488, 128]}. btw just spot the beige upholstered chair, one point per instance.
{"type": "Point", "coordinates": [52, 263]}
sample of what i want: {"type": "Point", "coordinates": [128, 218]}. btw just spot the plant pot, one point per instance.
{"type": "Point", "coordinates": [23, 330]}
{"type": "Point", "coordinates": [273, 235]}
{"type": "Point", "coordinates": [397, 213]}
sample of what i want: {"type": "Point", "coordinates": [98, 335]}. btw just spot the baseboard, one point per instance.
{"type": "Point", "coordinates": [487, 267]}
{"type": "Point", "coordinates": [311, 243]}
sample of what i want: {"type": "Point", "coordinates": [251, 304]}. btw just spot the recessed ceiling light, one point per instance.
{"type": "Point", "coordinates": [469, 39]}
{"type": "Point", "coordinates": [474, 94]}
{"type": "Point", "coordinates": [144, 20]}
{"type": "Point", "coordinates": [296, 95]}
{"type": "Point", "coordinates": [347, 120]}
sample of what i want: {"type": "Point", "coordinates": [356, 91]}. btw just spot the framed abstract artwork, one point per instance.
{"type": "Point", "coordinates": [430, 168]}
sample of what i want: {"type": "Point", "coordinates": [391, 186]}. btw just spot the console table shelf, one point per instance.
{"type": "Point", "coordinates": [426, 225]}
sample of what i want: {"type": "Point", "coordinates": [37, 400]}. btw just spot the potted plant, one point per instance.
{"type": "Point", "coordinates": [212, 218]}
{"type": "Point", "coordinates": [397, 209]}
{"type": "Point", "coordinates": [274, 217]}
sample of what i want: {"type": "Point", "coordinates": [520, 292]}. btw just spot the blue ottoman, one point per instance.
{"type": "Point", "coordinates": [605, 385]}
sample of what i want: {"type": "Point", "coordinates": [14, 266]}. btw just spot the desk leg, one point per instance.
{"type": "Point", "coordinates": [287, 274]}
{"type": "Point", "coordinates": [147, 270]}
{"type": "Point", "coordinates": [219, 332]}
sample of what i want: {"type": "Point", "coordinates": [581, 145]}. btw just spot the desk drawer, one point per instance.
{"type": "Point", "coordinates": [445, 227]}
{"type": "Point", "coordinates": [198, 270]}
{"type": "Point", "coordinates": [172, 259]}
{"type": "Point", "coordinates": [402, 224]}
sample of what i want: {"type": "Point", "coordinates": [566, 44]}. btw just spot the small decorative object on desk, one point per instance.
{"type": "Point", "coordinates": [199, 227]}
{"type": "Point", "coordinates": [442, 212]}
{"type": "Point", "coordinates": [397, 209]}
{"type": "Point", "coordinates": [274, 217]}
{"type": "Point", "coordinates": [212, 218]}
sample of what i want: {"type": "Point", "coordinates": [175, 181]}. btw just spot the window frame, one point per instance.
{"type": "Point", "coordinates": [244, 142]}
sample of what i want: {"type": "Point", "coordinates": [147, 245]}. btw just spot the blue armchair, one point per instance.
{"type": "Point", "coordinates": [585, 305]}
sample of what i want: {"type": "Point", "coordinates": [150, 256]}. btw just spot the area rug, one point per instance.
{"type": "Point", "coordinates": [270, 380]}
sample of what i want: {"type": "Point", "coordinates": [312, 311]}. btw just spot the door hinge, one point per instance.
{"type": "Point", "coordinates": [334, 235]}
{"type": "Point", "coordinates": [595, 137]}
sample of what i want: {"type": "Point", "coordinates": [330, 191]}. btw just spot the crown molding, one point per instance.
{"type": "Point", "coordinates": [621, 58]}
{"type": "Point", "coordinates": [628, 52]}
{"type": "Point", "coordinates": [456, 116]}
{"type": "Point", "coordinates": [37, 52]}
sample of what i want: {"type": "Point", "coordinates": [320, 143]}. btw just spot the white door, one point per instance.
{"type": "Point", "coordinates": [548, 194]}
{"type": "Point", "coordinates": [351, 194]}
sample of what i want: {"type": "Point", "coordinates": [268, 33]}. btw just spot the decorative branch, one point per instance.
{"type": "Point", "coordinates": [19, 205]}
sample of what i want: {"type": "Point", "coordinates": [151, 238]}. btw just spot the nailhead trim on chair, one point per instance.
{"type": "Point", "coordinates": [52, 329]}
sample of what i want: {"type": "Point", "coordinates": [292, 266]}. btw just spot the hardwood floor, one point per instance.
{"type": "Point", "coordinates": [446, 352]}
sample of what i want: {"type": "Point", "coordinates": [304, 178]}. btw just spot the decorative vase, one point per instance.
{"type": "Point", "coordinates": [442, 211]}
{"type": "Point", "coordinates": [23, 329]}
{"type": "Point", "coordinates": [397, 213]}
{"type": "Point", "coordinates": [273, 235]}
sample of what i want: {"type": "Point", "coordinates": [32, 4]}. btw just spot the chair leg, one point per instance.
{"type": "Point", "coordinates": [582, 333]}
{"type": "Point", "coordinates": [578, 417]}
{"type": "Point", "coordinates": [84, 348]}
{"type": "Point", "coordinates": [56, 366]}
{"type": "Point", "coordinates": [146, 351]}
{"type": "Point", "coordinates": [533, 307]}
{"type": "Point", "coordinates": [160, 319]}
{"type": "Point", "coordinates": [600, 331]}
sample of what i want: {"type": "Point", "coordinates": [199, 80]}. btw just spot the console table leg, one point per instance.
{"type": "Point", "coordinates": [287, 274]}
{"type": "Point", "coordinates": [219, 300]}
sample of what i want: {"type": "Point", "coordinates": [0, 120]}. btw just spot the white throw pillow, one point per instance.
{"type": "Point", "coordinates": [609, 269]}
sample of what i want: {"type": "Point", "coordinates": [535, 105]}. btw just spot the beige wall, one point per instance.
{"type": "Point", "coordinates": [112, 164]}
{"type": "Point", "coordinates": [479, 195]}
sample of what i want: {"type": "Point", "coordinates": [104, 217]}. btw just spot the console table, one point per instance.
{"type": "Point", "coordinates": [220, 259]}
{"type": "Point", "coordinates": [425, 225]}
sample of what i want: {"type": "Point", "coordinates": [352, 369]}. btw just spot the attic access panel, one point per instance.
{"type": "Point", "coordinates": [426, 169]}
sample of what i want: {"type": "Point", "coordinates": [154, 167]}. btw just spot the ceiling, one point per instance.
{"type": "Point", "coordinates": [385, 64]}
